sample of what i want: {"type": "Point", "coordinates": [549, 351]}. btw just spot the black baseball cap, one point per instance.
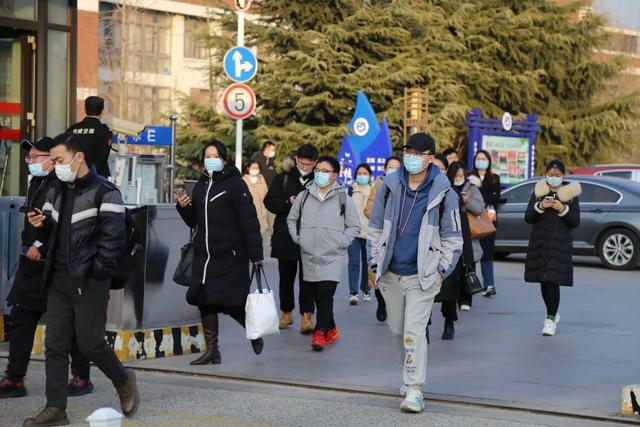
{"type": "Point", "coordinates": [421, 142]}
{"type": "Point", "coordinates": [43, 144]}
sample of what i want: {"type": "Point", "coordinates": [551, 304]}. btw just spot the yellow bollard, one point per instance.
{"type": "Point", "coordinates": [631, 400]}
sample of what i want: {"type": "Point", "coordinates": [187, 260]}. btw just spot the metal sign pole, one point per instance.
{"type": "Point", "coordinates": [239, 123]}
{"type": "Point", "coordinates": [172, 166]}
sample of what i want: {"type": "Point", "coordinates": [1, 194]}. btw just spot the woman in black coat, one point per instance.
{"type": "Point", "coordinates": [490, 191]}
{"type": "Point", "coordinates": [554, 210]}
{"type": "Point", "coordinates": [227, 237]}
{"type": "Point", "coordinates": [296, 175]}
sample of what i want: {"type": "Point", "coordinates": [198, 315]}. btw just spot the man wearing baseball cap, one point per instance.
{"type": "Point", "coordinates": [27, 298]}
{"type": "Point", "coordinates": [416, 241]}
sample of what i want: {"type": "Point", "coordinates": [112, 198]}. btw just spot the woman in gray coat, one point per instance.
{"type": "Point", "coordinates": [324, 221]}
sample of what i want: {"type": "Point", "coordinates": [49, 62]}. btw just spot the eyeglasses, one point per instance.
{"type": "Point", "coordinates": [28, 159]}
{"type": "Point", "coordinates": [417, 153]}
{"type": "Point", "coordinates": [306, 164]}
{"type": "Point", "coordinates": [323, 171]}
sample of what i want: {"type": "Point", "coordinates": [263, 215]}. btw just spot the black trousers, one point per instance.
{"type": "Point", "coordinates": [84, 314]}
{"type": "Point", "coordinates": [23, 329]}
{"type": "Point", "coordinates": [288, 269]}
{"type": "Point", "coordinates": [236, 313]}
{"type": "Point", "coordinates": [551, 297]}
{"type": "Point", "coordinates": [449, 310]}
{"type": "Point", "coordinates": [323, 293]}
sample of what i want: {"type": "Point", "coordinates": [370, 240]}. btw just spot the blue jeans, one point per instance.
{"type": "Point", "coordinates": [358, 266]}
{"type": "Point", "coordinates": [487, 273]}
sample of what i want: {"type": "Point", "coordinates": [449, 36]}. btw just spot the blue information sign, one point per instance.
{"type": "Point", "coordinates": [150, 135]}
{"type": "Point", "coordinates": [240, 64]}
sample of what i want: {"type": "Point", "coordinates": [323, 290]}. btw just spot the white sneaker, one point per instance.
{"type": "Point", "coordinates": [353, 300]}
{"type": "Point", "coordinates": [366, 297]}
{"type": "Point", "coordinates": [550, 326]}
{"type": "Point", "coordinates": [413, 402]}
{"type": "Point", "coordinates": [465, 307]}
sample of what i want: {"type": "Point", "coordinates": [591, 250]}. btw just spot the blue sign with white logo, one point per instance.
{"type": "Point", "coordinates": [150, 135]}
{"type": "Point", "coordinates": [240, 64]}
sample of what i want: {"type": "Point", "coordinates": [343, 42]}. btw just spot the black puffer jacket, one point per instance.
{"type": "Point", "coordinates": [96, 233]}
{"type": "Point", "coordinates": [285, 185]}
{"type": "Point", "coordinates": [227, 237]}
{"type": "Point", "coordinates": [27, 287]}
{"type": "Point", "coordinates": [551, 244]}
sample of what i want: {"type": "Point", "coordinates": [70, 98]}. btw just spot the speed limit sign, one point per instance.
{"type": "Point", "coordinates": [239, 101]}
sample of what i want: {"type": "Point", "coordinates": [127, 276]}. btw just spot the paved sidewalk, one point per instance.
{"type": "Point", "coordinates": [498, 354]}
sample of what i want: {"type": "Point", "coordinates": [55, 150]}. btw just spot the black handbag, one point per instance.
{"type": "Point", "coordinates": [184, 271]}
{"type": "Point", "coordinates": [472, 284]}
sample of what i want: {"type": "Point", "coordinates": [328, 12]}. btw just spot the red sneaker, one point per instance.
{"type": "Point", "coordinates": [318, 340]}
{"type": "Point", "coordinates": [333, 335]}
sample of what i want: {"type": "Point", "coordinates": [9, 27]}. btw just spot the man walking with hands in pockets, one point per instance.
{"type": "Point", "coordinates": [416, 241]}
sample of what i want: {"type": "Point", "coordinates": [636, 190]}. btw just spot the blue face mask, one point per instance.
{"type": "Point", "coordinates": [36, 169]}
{"type": "Point", "coordinates": [391, 170]}
{"type": "Point", "coordinates": [413, 164]}
{"type": "Point", "coordinates": [213, 164]}
{"type": "Point", "coordinates": [554, 181]}
{"type": "Point", "coordinates": [321, 179]}
{"type": "Point", "coordinates": [362, 179]}
{"type": "Point", "coordinates": [482, 164]}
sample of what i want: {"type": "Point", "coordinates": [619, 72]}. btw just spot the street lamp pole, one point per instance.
{"type": "Point", "coordinates": [241, 5]}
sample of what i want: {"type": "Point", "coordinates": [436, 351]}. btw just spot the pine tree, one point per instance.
{"type": "Point", "coordinates": [521, 56]}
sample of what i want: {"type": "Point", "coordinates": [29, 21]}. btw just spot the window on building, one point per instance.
{"type": "Point", "coordinates": [195, 30]}
{"type": "Point", "coordinates": [148, 104]}
{"type": "Point", "coordinates": [149, 41]}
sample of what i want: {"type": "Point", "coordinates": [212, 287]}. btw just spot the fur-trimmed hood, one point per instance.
{"type": "Point", "coordinates": [474, 180]}
{"type": "Point", "coordinates": [287, 164]}
{"type": "Point", "coordinates": [566, 192]}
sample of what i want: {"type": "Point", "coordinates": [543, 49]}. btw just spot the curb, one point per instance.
{"type": "Point", "coordinates": [144, 344]}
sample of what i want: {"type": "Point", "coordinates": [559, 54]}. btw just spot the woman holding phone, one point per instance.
{"type": "Point", "coordinates": [227, 237]}
{"type": "Point", "coordinates": [554, 210]}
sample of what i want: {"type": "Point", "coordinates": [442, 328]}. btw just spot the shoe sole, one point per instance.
{"type": "Point", "coordinates": [14, 395]}
{"type": "Point", "coordinates": [62, 422]}
{"type": "Point", "coordinates": [136, 393]}
{"type": "Point", "coordinates": [353, 302]}
{"type": "Point", "coordinates": [410, 410]}
{"type": "Point", "coordinates": [87, 390]}
{"type": "Point", "coordinates": [317, 347]}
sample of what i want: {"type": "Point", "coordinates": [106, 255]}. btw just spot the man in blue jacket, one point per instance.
{"type": "Point", "coordinates": [416, 241]}
{"type": "Point", "coordinates": [87, 234]}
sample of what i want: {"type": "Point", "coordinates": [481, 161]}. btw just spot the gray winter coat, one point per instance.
{"type": "Point", "coordinates": [475, 204]}
{"type": "Point", "coordinates": [325, 234]}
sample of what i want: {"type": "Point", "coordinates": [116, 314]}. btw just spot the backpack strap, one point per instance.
{"type": "Point", "coordinates": [387, 192]}
{"type": "Point", "coordinates": [343, 201]}
{"type": "Point", "coordinates": [285, 181]}
{"type": "Point", "coordinates": [100, 193]}
{"type": "Point", "coordinates": [350, 191]}
{"type": "Point", "coordinates": [305, 195]}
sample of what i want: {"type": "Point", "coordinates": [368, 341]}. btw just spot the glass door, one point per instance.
{"type": "Point", "coordinates": [17, 52]}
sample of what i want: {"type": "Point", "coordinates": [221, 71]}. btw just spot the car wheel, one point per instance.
{"type": "Point", "coordinates": [619, 249]}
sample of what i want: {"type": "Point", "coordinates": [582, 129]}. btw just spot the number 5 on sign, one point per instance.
{"type": "Point", "coordinates": [239, 101]}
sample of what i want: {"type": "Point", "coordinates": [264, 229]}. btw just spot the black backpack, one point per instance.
{"type": "Point", "coordinates": [133, 247]}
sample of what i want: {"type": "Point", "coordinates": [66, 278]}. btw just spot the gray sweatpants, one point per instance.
{"type": "Point", "coordinates": [408, 311]}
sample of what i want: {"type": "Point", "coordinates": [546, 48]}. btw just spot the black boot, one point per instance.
{"type": "Point", "coordinates": [449, 330]}
{"type": "Point", "coordinates": [212, 353]}
{"type": "Point", "coordinates": [381, 312]}
{"type": "Point", "coordinates": [257, 345]}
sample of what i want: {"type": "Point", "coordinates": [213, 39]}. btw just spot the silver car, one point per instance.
{"type": "Point", "coordinates": [609, 220]}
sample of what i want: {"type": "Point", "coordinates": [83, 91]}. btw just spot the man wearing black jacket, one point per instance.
{"type": "Point", "coordinates": [96, 136]}
{"type": "Point", "coordinates": [87, 234]}
{"type": "Point", "coordinates": [282, 193]}
{"type": "Point", "coordinates": [27, 299]}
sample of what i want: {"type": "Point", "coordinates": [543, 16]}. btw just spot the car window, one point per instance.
{"type": "Point", "coordinates": [520, 194]}
{"type": "Point", "coordinates": [593, 193]}
{"type": "Point", "coordinates": [618, 174]}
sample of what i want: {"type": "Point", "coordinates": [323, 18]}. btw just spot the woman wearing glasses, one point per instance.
{"type": "Point", "coordinates": [324, 221]}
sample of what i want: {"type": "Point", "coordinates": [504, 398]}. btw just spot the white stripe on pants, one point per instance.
{"type": "Point", "coordinates": [409, 308]}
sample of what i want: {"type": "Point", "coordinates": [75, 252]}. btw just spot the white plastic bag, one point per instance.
{"type": "Point", "coordinates": [261, 312]}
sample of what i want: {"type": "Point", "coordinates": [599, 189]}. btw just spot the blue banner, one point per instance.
{"type": "Point", "coordinates": [367, 142]}
{"type": "Point", "coordinates": [150, 135]}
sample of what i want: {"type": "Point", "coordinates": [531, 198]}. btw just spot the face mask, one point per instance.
{"type": "Point", "coordinates": [254, 172]}
{"type": "Point", "coordinates": [392, 170]}
{"type": "Point", "coordinates": [213, 164]}
{"type": "Point", "coordinates": [36, 169]}
{"type": "Point", "coordinates": [413, 164]}
{"type": "Point", "coordinates": [554, 181]}
{"type": "Point", "coordinates": [321, 179]}
{"type": "Point", "coordinates": [362, 179]}
{"type": "Point", "coordinates": [482, 164]}
{"type": "Point", "coordinates": [458, 182]}
{"type": "Point", "coordinates": [64, 172]}
{"type": "Point", "coordinates": [303, 173]}
{"type": "Point", "coordinates": [272, 154]}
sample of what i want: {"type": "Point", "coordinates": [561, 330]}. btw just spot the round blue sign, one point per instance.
{"type": "Point", "coordinates": [240, 64]}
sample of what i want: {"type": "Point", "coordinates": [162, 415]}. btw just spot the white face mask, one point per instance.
{"type": "Point", "coordinates": [64, 172]}
{"type": "Point", "coordinates": [254, 172]}
{"type": "Point", "coordinates": [458, 182]}
{"type": "Point", "coordinates": [272, 154]}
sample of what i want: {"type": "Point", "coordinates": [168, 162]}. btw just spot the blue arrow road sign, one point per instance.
{"type": "Point", "coordinates": [150, 135]}
{"type": "Point", "coordinates": [240, 64]}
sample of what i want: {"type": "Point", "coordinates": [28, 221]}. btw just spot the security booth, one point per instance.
{"type": "Point", "coordinates": [37, 79]}
{"type": "Point", "coordinates": [510, 143]}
